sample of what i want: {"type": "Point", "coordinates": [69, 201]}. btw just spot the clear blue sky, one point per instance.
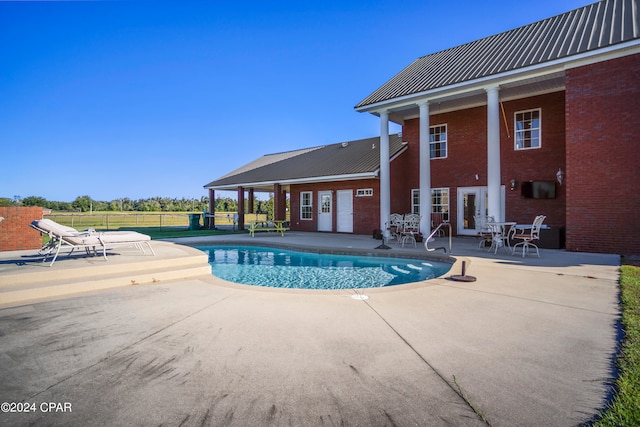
{"type": "Point", "coordinates": [149, 98]}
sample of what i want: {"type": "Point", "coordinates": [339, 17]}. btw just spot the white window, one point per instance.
{"type": "Point", "coordinates": [528, 129]}
{"type": "Point", "coordinates": [438, 141]}
{"type": "Point", "coordinates": [439, 202]}
{"type": "Point", "coordinates": [306, 205]}
{"type": "Point", "coordinates": [364, 192]}
{"type": "Point", "coordinates": [415, 202]}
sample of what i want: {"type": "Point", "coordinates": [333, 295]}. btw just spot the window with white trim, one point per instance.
{"type": "Point", "coordinates": [415, 202]}
{"type": "Point", "coordinates": [439, 202]}
{"type": "Point", "coordinates": [528, 129]}
{"type": "Point", "coordinates": [438, 141]}
{"type": "Point", "coordinates": [364, 192]}
{"type": "Point", "coordinates": [306, 205]}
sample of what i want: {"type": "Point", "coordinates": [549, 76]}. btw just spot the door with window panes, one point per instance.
{"type": "Point", "coordinates": [472, 209]}
{"type": "Point", "coordinates": [325, 211]}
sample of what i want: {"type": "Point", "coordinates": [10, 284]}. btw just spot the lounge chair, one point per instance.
{"type": "Point", "coordinates": [89, 240]}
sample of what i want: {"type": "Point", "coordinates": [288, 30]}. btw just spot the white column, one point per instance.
{"type": "Point", "coordinates": [425, 170]}
{"type": "Point", "coordinates": [385, 178]}
{"type": "Point", "coordinates": [493, 153]}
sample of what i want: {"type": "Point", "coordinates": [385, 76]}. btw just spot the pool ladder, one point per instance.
{"type": "Point", "coordinates": [426, 241]}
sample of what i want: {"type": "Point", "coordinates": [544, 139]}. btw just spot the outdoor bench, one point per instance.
{"type": "Point", "coordinates": [277, 226]}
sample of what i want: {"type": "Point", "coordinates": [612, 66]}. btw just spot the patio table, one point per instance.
{"type": "Point", "coordinates": [501, 232]}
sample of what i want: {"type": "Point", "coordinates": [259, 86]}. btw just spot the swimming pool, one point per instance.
{"type": "Point", "coordinates": [280, 268]}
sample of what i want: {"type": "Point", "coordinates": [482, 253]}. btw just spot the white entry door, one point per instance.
{"type": "Point", "coordinates": [345, 211]}
{"type": "Point", "coordinates": [472, 202]}
{"type": "Point", "coordinates": [325, 211]}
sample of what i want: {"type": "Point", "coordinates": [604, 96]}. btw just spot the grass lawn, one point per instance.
{"type": "Point", "coordinates": [624, 410]}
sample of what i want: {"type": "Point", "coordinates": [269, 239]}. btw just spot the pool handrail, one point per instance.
{"type": "Point", "coordinates": [433, 232]}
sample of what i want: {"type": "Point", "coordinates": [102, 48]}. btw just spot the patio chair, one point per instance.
{"type": "Point", "coordinates": [394, 226]}
{"type": "Point", "coordinates": [527, 238]}
{"type": "Point", "coordinates": [437, 218]}
{"type": "Point", "coordinates": [483, 230]}
{"type": "Point", "coordinates": [410, 228]}
{"type": "Point", "coordinates": [89, 240]}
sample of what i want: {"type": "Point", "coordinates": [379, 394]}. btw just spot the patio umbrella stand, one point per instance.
{"type": "Point", "coordinates": [463, 277]}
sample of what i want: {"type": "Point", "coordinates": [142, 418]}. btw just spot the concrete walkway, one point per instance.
{"type": "Point", "coordinates": [531, 342]}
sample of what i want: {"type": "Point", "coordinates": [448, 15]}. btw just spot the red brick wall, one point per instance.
{"type": "Point", "coordinates": [15, 233]}
{"type": "Point", "coordinates": [366, 210]}
{"type": "Point", "coordinates": [603, 156]}
{"type": "Point", "coordinates": [403, 172]}
{"type": "Point", "coordinates": [467, 156]}
{"type": "Point", "coordinates": [535, 165]}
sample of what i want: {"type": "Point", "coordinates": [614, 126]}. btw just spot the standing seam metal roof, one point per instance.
{"type": "Point", "coordinates": [596, 26]}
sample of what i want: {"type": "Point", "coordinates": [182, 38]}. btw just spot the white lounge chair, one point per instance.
{"type": "Point", "coordinates": [89, 240]}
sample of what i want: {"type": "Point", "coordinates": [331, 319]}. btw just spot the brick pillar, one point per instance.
{"type": "Point", "coordinates": [250, 201]}
{"type": "Point", "coordinates": [283, 204]}
{"type": "Point", "coordinates": [240, 208]}
{"type": "Point", "coordinates": [279, 203]}
{"type": "Point", "coordinates": [212, 209]}
{"type": "Point", "coordinates": [15, 233]}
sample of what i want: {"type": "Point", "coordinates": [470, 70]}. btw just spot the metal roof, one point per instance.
{"type": "Point", "coordinates": [341, 161]}
{"type": "Point", "coordinates": [268, 159]}
{"type": "Point", "coordinates": [596, 26]}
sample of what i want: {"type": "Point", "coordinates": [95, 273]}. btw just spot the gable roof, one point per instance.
{"type": "Point", "coordinates": [594, 27]}
{"type": "Point", "coordinates": [342, 161]}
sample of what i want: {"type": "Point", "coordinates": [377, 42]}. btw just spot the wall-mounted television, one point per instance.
{"type": "Point", "coordinates": [538, 189]}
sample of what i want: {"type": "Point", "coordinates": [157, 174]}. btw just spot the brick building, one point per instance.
{"type": "Point", "coordinates": [542, 119]}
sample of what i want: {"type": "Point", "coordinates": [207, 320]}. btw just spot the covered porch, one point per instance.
{"type": "Point", "coordinates": [280, 194]}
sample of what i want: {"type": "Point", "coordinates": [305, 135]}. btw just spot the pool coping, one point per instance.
{"type": "Point", "coordinates": [455, 262]}
{"type": "Point", "coordinates": [330, 251]}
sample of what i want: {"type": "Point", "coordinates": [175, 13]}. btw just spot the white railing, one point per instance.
{"type": "Point", "coordinates": [433, 233]}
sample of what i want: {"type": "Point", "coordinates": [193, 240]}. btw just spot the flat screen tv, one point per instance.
{"type": "Point", "coordinates": [539, 189]}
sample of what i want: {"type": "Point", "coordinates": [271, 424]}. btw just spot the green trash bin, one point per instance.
{"type": "Point", "coordinates": [194, 221]}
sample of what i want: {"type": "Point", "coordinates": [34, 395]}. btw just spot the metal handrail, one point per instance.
{"type": "Point", "coordinates": [426, 241]}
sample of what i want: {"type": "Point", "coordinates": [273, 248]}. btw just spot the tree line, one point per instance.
{"type": "Point", "coordinates": [153, 204]}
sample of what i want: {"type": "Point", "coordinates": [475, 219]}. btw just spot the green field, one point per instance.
{"type": "Point", "coordinates": [130, 220]}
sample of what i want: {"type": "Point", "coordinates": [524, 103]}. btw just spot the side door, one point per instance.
{"type": "Point", "coordinates": [345, 211]}
{"type": "Point", "coordinates": [325, 211]}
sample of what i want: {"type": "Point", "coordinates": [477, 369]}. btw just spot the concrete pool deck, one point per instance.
{"type": "Point", "coordinates": [530, 342]}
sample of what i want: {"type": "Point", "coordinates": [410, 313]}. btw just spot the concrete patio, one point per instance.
{"type": "Point", "coordinates": [145, 340]}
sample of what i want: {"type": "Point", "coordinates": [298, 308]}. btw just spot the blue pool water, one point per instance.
{"type": "Point", "coordinates": [279, 268]}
